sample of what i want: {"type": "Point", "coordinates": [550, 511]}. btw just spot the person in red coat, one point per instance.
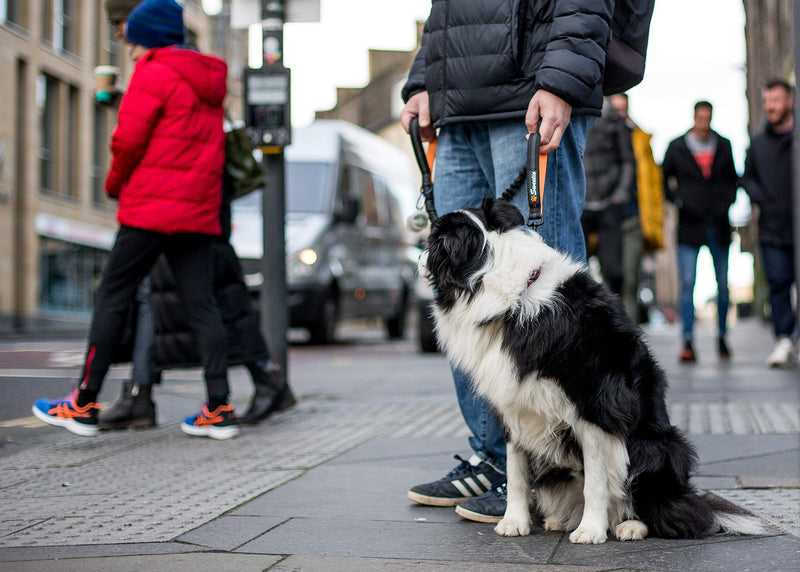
{"type": "Point", "coordinates": [168, 151]}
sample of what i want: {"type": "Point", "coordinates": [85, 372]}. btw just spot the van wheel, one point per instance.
{"type": "Point", "coordinates": [324, 331]}
{"type": "Point", "coordinates": [396, 325]}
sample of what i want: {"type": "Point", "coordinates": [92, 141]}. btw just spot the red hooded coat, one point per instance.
{"type": "Point", "coordinates": [168, 148]}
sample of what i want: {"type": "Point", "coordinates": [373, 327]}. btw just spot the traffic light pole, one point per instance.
{"type": "Point", "coordinates": [273, 297]}
{"type": "Point", "coordinates": [274, 122]}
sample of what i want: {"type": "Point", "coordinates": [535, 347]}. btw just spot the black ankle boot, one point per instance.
{"type": "Point", "coordinates": [135, 408]}
{"type": "Point", "coordinates": [271, 393]}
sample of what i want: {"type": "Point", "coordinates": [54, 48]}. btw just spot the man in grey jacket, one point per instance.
{"type": "Point", "coordinates": [489, 72]}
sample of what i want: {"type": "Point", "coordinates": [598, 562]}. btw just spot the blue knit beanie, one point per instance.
{"type": "Point", "coordinates": [155, 24]}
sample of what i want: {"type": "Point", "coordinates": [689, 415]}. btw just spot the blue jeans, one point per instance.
{"type": "Point", "coordinates": [477, 160]}
{"type": "Point", "coordinates": [779, 267]}
{"type": "Point", "coordinates": [687, 267]}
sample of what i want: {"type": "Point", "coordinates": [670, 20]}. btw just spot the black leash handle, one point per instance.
{"type": "Point", "coordinates": [535, 181]}
{"type": "Point", "coordinates": [425, 169]}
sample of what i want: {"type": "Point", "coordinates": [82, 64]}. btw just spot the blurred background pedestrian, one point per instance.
{"type": "Point", "coordinates": [642, 215]}
{"type": "Point", "coordinates": [610, 177]}
{"type": "Point", "coordinates": [700, 178]}
{"type": "Point", "coordinates": [769, 182]}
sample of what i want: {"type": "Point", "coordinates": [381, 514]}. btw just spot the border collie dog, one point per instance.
{"type": "Point", "coordinates": [570, 377]}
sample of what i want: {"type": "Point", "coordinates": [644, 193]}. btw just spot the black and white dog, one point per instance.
{"type": "Point", "coordinates": [573, 382]}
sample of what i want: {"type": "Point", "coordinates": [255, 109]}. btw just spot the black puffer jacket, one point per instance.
{"type": "Point", "coordinates": [608, 162]}
{"type": "Point", "coordinates": [701, 202]}
{"type": "Point", "coordinates": [768, 180]}
{"type": "Point", "coordinates": [175, 341]}
{"type": "Point", "coordinates": [484, 59]}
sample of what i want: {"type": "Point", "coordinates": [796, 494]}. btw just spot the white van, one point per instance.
{"type": "Point", "coordinates": [348, 253]}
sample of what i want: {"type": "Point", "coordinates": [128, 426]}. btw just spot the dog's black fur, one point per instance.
{"type": "Point", "coordinates": [582, 339]}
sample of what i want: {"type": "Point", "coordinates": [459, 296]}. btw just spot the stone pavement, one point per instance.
{"type": "Point", "coordinates": [322, 486]}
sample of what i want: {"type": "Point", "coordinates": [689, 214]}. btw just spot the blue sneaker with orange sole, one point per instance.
{"type": "Point", "coordinates": [218, 424]}
{"type": "Point", "coordinates": [64, 412]}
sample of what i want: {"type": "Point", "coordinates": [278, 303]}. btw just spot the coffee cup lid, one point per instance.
{"type": "Point", "coordinates": [106, 70]}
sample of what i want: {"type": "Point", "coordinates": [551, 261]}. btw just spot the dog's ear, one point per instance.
{"type": "Point", "coordinates": [456, 252]}
{"type": "Point", "coordinates": [501, 215]}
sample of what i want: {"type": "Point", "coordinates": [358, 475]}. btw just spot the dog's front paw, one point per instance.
{"type": "Point", "coordinates": [513, 527]}
{"type": "Point", "coordinates": [631, 530]}
{"type": "Point", "coordinates": [554, 525]}
{"type": "Point", "coordinates": [586, 534]}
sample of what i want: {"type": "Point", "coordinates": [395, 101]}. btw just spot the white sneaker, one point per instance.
{"type": "Point", "coordinates": [784, 354]}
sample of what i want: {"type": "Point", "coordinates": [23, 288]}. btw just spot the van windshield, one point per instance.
{"type": "Point", "coordinates": [305, 190]}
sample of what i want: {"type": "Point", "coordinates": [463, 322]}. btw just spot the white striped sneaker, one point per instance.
{"type": "Point", "coordinates": [471, 478]}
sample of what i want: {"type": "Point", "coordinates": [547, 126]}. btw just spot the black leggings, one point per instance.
{"type": "Point", "coordinates": [190, 257]}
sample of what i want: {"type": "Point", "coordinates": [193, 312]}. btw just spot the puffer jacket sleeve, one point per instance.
{"type": "Point", "coordinates": [416, 76]}
{"type": "Point", "coordinates": [573, 63]}
{"type": "Point", "coordinates": [138, 113]}
{"type": "Point", "coordinates": [623, 192]}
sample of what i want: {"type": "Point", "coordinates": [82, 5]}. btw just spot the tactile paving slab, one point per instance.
{"type": "Point", "coordinates": [147, 486]}
{"type": "Point", "coordinates": [151, 486]}
{"type": "Point", "coordinates": [781, 507]}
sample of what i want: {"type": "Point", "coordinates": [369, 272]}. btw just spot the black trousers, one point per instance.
{"type": "Point", "coordinates": [607, 224]}
{"type": "Point", "coordinates": [190, 257]}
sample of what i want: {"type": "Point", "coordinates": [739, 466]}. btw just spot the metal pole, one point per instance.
{"type": "Point", "coordinates": [273, 298]}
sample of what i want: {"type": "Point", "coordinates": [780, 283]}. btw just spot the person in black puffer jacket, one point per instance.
{"type": "Point", "coordinates": [175, 345]}
{"type": "Point", "coordinates": [610, 171]}
{"type": "Point", "coordinates": [488, 72]}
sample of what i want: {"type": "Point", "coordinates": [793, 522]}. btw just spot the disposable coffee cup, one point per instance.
{"type": "Point", "coordinates": [105, 77]}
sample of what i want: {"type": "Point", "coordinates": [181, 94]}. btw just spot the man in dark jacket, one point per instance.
{"type": "Point", "coordinates": [700, 178]}
{"type": "Point", "coordinates": [768, 181]}
{"type": "Point", "coordinates": [489, 72]}
{"type": "Point", "coordinates": [610, 169]}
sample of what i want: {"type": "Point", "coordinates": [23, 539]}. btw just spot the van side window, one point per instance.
{"type": "Point", "coordinates": [370, 207]}
{"type": "Point", "coordinates": [394, 213]}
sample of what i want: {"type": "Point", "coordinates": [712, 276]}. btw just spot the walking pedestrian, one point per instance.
{"type": "Point", "coordinates": [247, 346]}
{"type": "Point", "coordinates": [610, 172]}
{"type": "Point", "coordinates": [643, 215]}
{"type": "Point", "coordinates": [768, 180]}
{"type": "Point", "coordinates": [470, 81]}
{"type": "Point", "coordinates": [168, 150]}
{"type": "Point", "coordinates": [700, 178]}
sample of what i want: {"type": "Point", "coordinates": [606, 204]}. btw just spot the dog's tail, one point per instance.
{"type": "Point", "coordinates": [730, 519]}
{"type": "Point", "coordinates": [668, 503]}
{"type": "Point", "coordinates": [693, 515]}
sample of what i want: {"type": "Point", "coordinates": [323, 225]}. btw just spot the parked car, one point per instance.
{"type": "Point", "coordinates": [348, 193]}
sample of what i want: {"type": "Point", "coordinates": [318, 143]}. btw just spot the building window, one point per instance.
{"type": "Point", "coordinates": [68, 275]}
{"type": "Point", "coordinates": [100, 155]}
{"type": "Point", "coordinates": [58, 24]}
{"type": "Point", "coordinates": [14, 12]}
{"type": "Point", "coordinates": [59, 136]}
{"type": "Point", "coordinates": [109, 48]}
{"type": "Point", "coordinates": [73, 140]}
{"type": "Point", "coordinates": [47, 101]}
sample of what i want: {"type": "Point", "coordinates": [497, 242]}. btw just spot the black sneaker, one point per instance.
{"type": "Point", "coordinates": [469, 479]}
{"type": "Point", "coordinates": [724, 351]}
{"type": "Point", "coordinates": [489, 507]}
